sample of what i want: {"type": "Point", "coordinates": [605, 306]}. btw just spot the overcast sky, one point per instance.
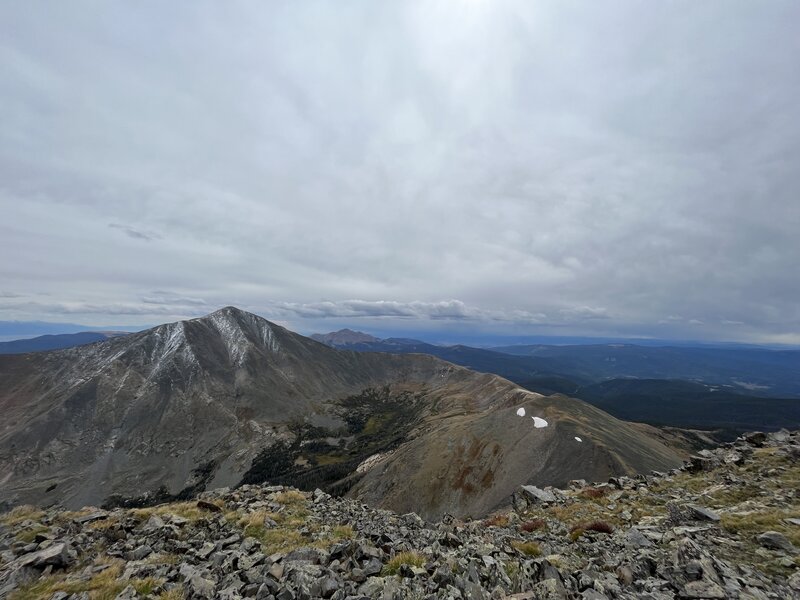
{"type": "Point", "coordinates": [589, 168]}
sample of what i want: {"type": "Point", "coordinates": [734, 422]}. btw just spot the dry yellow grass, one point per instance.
{"type": "Point", "coordinates": [102, 586]}
{"type": "Point", "coordinates": [19, 514]}
{"type": "Point", "coordinates": [187, 510]}
{"type": "Point", "coordinates": [291, 497]}
{"type": "Point", "coordinates": [29, 534]}
{"type": "Point", "coordinates": [414, 559]}
{"type": "Point", "coordinates": [756, 522]}
{"type": "Point", "coordinates": [343, 532]}
{"type": "Point", "coordinates": [173, 594]}
{"type": "Point", "coordinates": [527, 548]}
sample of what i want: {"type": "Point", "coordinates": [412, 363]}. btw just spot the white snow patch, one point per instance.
{"type": "Point", "coordinates": [521, 411]}
{"type": "Point", "coordinates": [372, 461]}
{"type": "Point", "coordinates": [539, 423]}
{"type": "Point", "coordinates": [577, 439]}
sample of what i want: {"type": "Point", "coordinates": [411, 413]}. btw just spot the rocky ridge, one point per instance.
{"type": "Point", "coordinates": [725, 525]}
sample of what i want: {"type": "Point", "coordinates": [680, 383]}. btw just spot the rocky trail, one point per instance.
{"type": "Point", "coordinates": [726, 525]}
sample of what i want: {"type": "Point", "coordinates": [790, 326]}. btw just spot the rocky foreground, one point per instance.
{"type": "Point", "coordinates": [726, 525]}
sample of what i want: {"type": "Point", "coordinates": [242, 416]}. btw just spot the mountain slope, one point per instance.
{"type": "Point", "coordinates": [230, 396]}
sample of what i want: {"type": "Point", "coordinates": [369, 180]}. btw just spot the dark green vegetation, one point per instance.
{"type": "Point", "coordinates": [687, 404]}
{"type": "Point", "coordinates": [376, 420]}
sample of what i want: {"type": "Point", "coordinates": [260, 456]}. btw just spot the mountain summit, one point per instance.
{"type": "Point", "coordinates": [344, 337]}
{"type": "Point", "coordinates": [231, 398]}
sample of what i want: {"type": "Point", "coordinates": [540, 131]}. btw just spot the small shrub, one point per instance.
{"type": "Point", "coordinates": [533, 525]}
{"type": "Point", "coordinates": [527, 548]}
{"type": "Point", "coordinates": [598, 526]}
{"type": "Point", "coordinates": [575, 534]}
{"type": "Point", "coordinates": [496, 521]}
{"type": "Point", "coordinates": [413, 559]}
{"type": "Point", "coordinates": [593, 493]}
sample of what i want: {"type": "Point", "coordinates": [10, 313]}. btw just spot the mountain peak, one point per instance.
{"type": "Point", "coordinates": [344, 337]}
{"type": "Point", "coordinates": [230, 312]}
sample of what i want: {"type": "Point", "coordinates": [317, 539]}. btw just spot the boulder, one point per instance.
{"type": "Point", "coordinates": [535, 494]}
{"type": "Point", "coordinates": [702, 514]}
{"type": "Point", "coordinates": [775, 541]}
{"type": "Point", "coordinates": [57, 555]}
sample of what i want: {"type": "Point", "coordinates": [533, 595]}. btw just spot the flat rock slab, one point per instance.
{"type": "Point", "coordinates": [57, 555]}
{"type": "Point", "coordinates": [95, 516]}
{"type": "Point", "coordinates": [703, 514]}
{"type": "Point", "coordinates": [537, 494]}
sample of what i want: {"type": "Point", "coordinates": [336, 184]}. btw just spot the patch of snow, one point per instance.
{"type": "Point", "coordinates": [753, 387]}
{"type": "Point", "coordinates": [539, 423]}
{"type": "Point", "coordinates": [521, 411]}
{"type": "Point", "coordinates": [371, 462]}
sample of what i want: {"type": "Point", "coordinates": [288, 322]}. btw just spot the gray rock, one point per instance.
{"type": "Point", "coordinates": [129, 593]}
{"type": "Point", "coordinates": [536, 494]}
{"type": "Point", "coordinates": [285, 594]}
{"type": "Point", "coordinates": [775, 541]}
{"type": "Point", "coordinates": [702, 589]}
{"type": "Point", "coordinates": [206, 551]}
{"type": "Point", "coordinates": [755, 438]}
{"type": "Point", "coordinates": [141, 552]}
{"type": "Point", "coordinates": [794, 581]}
{"type": "Point", "coordinates": [200, 587]}
{"type": "Point", "coordinates": [58, 555]}
{"type": "Point", "coordinates": [154, 523]}
{"type": "Point", "coordinates": [549, 589]}
{"type": "Point", "coordinates": [95, 516]}
{"type": "Point", "coordinates": [701, 513]}
{"type": "Point", "coordinates": [636, 539]}
{"type": "Point", "coordinates": [307, 554]}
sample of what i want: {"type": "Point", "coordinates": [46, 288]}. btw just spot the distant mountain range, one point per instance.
{"type": "Point", "coordinates": [57, 342]}
{"type": "Point", "coordinates": [344, 337]}
{"type": "Point", "coordinates": [731, 388]}
{"type": "Point", "coordinates": [231, 398]}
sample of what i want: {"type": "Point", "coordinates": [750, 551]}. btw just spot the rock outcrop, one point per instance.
{"type": "Point", "coordinates": [729, 530]}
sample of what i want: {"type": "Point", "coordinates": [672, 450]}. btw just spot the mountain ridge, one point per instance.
{"type": "Point", "coordinates": [200, 403]}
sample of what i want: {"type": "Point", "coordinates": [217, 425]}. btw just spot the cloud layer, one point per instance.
{"type": "Point", "coordinates": [614, 168]}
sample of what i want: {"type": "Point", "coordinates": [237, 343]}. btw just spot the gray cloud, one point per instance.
{"type": "Point", "coordinates": [170, 298]}
{"type": "Point", "coordinates": [596, 168]}
{"type": "Point", "coordinates": [135, 233]}
{"type": "Point", "coordinates": [449, 310]}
